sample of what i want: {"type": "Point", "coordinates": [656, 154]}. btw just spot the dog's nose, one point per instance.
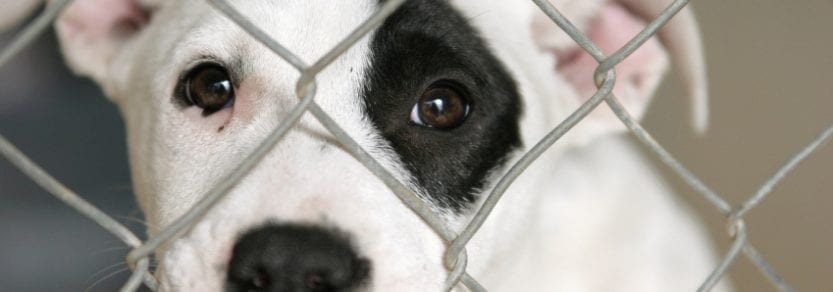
{"type": "Point", "coordinates": [295, 258]}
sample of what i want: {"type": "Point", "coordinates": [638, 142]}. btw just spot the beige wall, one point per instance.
{"type": "Point", "coordinates": [771, 72]}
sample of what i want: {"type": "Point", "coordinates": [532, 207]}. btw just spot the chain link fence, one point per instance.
{"type": "Point", "coordinates": [455, 255]}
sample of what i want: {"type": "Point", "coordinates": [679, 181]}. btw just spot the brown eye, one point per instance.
{"type": "Point", "coordinates": [209, 87]}
{"type": "Point", "coordinates": [441, 106]}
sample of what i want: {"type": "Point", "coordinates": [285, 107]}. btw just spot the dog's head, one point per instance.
{"type": "Point", "coordinates": [444, 95]}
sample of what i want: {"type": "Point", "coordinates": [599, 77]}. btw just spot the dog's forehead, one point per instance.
{"type": "Point", "coordinates": [308, 29]}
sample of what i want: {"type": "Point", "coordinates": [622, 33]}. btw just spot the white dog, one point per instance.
{"type": "Point", "coordinates": [446, 95]}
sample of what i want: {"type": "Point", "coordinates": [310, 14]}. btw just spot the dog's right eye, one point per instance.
{"type": "Point", "coordinates": [209, 87]}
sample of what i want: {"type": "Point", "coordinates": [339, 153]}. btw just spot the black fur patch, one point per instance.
{"type": "Point", "coordinates": [421, 43]}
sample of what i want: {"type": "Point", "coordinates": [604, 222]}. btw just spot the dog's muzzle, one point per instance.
{"type": "Point", "coordinates": [287, 257]}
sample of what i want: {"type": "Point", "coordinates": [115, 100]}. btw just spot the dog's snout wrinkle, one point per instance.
{"type": "Point", "coordinates": [287, 257]}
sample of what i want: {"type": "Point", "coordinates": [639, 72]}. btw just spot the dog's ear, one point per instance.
{"type": "Point", "coordinates": [94, 32]}
{"type": "Point", "coordinates": [610, 25]}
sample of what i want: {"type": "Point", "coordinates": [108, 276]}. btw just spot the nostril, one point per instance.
{"type": "Point", "coordinates": [286, 257]}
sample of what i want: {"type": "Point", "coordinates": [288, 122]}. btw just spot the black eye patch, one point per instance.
{"type": "Point", "coordinates": [422, 43]}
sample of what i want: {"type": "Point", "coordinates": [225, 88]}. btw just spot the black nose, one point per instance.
{"type": "Point", "coordinates": [295, 258]}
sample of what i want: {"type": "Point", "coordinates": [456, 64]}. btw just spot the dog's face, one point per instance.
{"type": "Point", "coordinates": [443, 95]}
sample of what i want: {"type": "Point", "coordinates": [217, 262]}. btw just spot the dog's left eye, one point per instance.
{"type": "Point", "coordinates": [442, 106]}
{"type": "Point", "coordinates": [209, 87]}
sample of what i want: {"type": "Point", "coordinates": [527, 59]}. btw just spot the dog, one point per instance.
{"type": "Point", "coordinates": [446, 95]}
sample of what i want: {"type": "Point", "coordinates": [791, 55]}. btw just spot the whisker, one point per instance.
{"type": "Point", "coordinates": [110, 275]}
{"type": "Point", "coordinates": [133, 219]}
{"type": "Point", "coordinates": [103, 270]}
{"type": "Point", "coordinates": [109, 249]}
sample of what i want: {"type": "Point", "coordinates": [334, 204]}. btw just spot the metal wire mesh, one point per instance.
{"type": "Point", "coordinates": [455, 255]}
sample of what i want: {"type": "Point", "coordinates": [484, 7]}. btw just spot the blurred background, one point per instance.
{"type": "Point", "coordinates": [67, 126]}
{"type": "Point", "coordinates": [771, 73]}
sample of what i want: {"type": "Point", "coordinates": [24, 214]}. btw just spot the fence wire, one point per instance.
{"type": "Point", "coordinates": [455, 256]}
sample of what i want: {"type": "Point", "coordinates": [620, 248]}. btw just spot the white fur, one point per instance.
{"type": "Point", "coordinates": [588, 216]}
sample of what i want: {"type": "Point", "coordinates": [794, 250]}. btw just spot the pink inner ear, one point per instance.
{"type": "Point", "coordinates": [636, 76]}
{"type": "Point", "coordinates": [99, 20]}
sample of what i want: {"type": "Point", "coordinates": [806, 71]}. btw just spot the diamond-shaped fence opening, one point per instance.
{"type": "Point", "coordinates": [455, 255]}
